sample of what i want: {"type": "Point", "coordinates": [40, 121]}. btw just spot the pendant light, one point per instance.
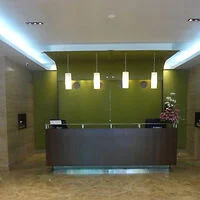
{"type": "Point", "coordinates": [68, 77]}
{"type": "Point", "coordinates": [96, 76]}
{"type": "Point", "coordinates": [125, 76]}
{"type": "Point", "coordinates": [154, 75]}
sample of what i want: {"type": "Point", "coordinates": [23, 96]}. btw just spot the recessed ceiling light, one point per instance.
{"type": "Point", "coordinates": [194, 20]}
{"type": "Point", "coordinates": [111, 16]}
{"type": "Point", "coordinates": [34, 23]}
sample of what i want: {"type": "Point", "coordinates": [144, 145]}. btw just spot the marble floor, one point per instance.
{"type": "Point", "coordinates": [32, 180]}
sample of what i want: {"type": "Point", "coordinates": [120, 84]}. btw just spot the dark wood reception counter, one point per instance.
{"type": "Point", "coordinates": [111, 147]}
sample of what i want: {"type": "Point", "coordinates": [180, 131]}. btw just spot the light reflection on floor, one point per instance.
{"type": "Point", "coordinates": [98, 171]}
{"type": "Point", "coordinates": [33, 180]}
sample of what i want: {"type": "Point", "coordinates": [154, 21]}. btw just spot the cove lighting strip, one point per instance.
{"type": "Point", "coordinates": [183, 56]}
{"type": "Point", "coordinates": [13, 39]}
{"type": "Point", "coordinates": [112, 47]}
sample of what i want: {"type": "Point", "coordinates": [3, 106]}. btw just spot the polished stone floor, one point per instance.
{"type": "Point", "coordinates": [32, 180]}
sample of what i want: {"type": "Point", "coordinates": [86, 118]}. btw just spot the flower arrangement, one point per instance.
{"type": "Point", "coordinates": [171, 113]}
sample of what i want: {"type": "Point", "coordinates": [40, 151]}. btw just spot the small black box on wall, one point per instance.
{"type": "Point", "coordinates": [22, 120]}
{"type": "Point", "coordinates": [197, 119]}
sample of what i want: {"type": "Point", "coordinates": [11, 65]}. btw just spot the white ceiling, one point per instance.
{"type": "Point", "coordinates": [70, 22]}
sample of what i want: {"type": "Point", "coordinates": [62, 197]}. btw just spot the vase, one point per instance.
{"type": "Point", "coordinates": [174, 125]}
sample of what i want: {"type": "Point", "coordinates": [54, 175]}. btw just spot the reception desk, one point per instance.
{"type": "Point", "coordinates": [110, 147]}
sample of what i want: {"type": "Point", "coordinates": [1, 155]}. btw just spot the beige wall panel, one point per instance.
{"type": "Point", "coordinates": [3, 118]}
{"type": "Point", "coordinates": [193, 133]}
{"type": "Point", "coordinates": [19, 95]}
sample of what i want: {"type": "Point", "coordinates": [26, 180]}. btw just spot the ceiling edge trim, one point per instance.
{"type": "Point", "coordinates": [111, 47]}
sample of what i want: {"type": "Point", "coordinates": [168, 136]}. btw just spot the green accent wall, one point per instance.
{"type": "Point", "coordinates": [111, 102]}
{"type": "Point", "coordinates": [45, 103]}
{"type": "Point", "coordinates": [176, 81]}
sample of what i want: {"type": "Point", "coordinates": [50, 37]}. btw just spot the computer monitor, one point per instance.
{"type": "Point", "coordinates": [154, 123]}
{"type": "Point", "coordinates": [58, 123]}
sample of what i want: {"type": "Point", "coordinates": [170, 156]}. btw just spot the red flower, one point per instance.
{"type": "Point", "coordinates": [171, 113]}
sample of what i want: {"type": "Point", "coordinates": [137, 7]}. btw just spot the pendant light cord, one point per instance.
{"type": "Point", "coordinates": [125, 61]}
{"type": "Point", "coordinates": [67, 63]}
{"type": "Point", "coordinates": [96, 62]}
{"type": "Point", "coordinates": [154, 62]}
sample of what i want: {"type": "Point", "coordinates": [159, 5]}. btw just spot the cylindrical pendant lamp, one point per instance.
{"type": "Point", "coordinates": [68, 77]}
{"type": "Point", "coordinates": [125, 77]}
{"type": "Point", "coordinates": [96, 79]}
{"type": "Point", "coordinates": [125, 80]}
{"type": "Point", "coordinates": [154, 75]}
{"type": "Point", "coordinates": [154, 80]}
{"type": "Point", "coordinates": [68, 81]}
